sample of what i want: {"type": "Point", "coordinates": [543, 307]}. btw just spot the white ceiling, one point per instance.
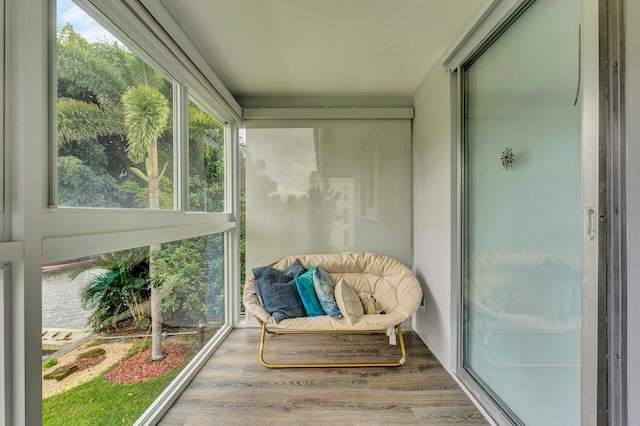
{"type": "Point", "coordinates": [321, 47]}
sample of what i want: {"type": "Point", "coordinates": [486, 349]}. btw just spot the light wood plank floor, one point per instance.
{"type": "Point", "coordinates": [234, 388]}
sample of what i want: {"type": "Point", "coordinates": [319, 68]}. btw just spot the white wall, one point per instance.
{"type": "Point", "coordinates": [633, 199]}
{"type": "Point", "coordinates": [433, 153]}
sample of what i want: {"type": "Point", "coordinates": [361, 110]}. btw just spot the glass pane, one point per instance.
{"type": "Point", "coordinates": [114, 120]}
{"type": "Point", "coordinates": [523, 193]}
{"type": "Point", "coordinates": [328, 188]}
{"type": "Point", "coordinates": [96, 326]}
{"type": "Point", "coordinates": [206, 160]}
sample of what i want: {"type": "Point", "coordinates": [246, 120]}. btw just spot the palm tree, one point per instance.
{"type": "Point", "coordinates": [127, 97]}
{"type": "Point", "coordinates": [146, 113]}
{"type": "Point", "coordinates": [124, 96]}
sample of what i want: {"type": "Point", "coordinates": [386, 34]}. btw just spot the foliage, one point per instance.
{"type": "Point", "coordinates": [206, 161]}
{"type": "Point", "coordinates": [79, 185]}
{"type": "Point", "coordinates": [123, 287]}
{"type": "Point", "coordinates": [81, 120]}
{"type": "Point", "coordinates": [50, 363]}
{"type": "Point", "coordinates": [100, 402]}
{"type": "Point", "coordinates": [115, 149]}
{"type": "Point", "coordinates": [138, 345]}
{"type": "Point", "coordinates": [112, 107]}
{"type": "Point", "coordinates": [109, 97]}
{"type": "Point", "coordinates": [192, 276]}
{"type": "Point", "coordinates": [146, 117]}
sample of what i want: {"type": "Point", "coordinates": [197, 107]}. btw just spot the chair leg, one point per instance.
{"type": "Point", "coordinates": [331, 365]}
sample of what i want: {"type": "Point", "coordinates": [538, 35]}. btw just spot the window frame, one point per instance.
{"type": "Point", "coordinates": [67, 230]}
{"type": "Point", "coordinates": [72, 232]}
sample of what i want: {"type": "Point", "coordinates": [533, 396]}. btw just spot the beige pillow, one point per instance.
{"type": "Point", "coordinates": [348, 302]}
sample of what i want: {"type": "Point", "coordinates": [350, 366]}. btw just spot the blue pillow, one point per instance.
{"type": "Point", "coordinates": [307, 292]}
{"type": "Point", "coordinates": [279, 292]}
{"type": "Point", "coordinates": [325, 290]}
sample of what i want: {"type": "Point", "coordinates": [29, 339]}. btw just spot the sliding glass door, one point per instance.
{"type": "Point", "coordinates": [522, 274]}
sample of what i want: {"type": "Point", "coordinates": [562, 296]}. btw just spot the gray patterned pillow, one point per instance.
{"type": "Point", "coordinates": [325, 290]}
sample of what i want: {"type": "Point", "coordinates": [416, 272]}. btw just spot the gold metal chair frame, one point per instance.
{"type": "Point", "coordinates": [265, 330]}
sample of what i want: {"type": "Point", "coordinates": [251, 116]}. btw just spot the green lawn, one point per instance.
{"type": "Point", "coordinates": [100, 402]}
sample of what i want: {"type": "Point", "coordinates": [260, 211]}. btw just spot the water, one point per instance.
{"type": "Point", "coordinates": [61, 304]}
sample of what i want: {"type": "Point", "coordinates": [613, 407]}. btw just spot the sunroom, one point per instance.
{"type": "Point", "coordinates": [154, 152]}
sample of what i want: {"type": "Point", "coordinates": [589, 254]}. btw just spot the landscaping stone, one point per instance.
{"type": "Point", "coordinates": [61, 372]}
{"type": "Point", "coordinates": [92, 353]}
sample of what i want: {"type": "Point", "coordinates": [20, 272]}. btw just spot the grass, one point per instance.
{"type": "Point", "coordinates": [49, 364]}
{"type": "Point", "coordinates": [139, 345]}
{"type": "Point", "coordinates": [100, 402]}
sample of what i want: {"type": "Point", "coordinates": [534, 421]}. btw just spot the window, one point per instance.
{"type": "Point", "coordinates": [206, 160]}
{"type": "Point", "coordinates": [109, 295]}
{"type": "Point", "coordinates": [114, 120]}
{"type": "Point", "coordinates": [137, 130]}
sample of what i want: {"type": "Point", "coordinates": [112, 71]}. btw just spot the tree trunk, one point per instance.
{"type": "Point", "coordinates": [156, 293]}
{"type": "Point", "coordinates": [154, 184]}
{"type": "Point", "coordinates": [156, 314]}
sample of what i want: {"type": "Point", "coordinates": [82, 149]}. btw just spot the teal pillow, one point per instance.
{"type": "Point", "coordinates": [307, 292]}
{"type": "Point", "coordinates": [325, 290]}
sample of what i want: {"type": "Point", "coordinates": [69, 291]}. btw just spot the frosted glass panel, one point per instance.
{"type": "Point", "coordinates": [523, 212]}
{"type": "Point", "coordinates": [328, 187]}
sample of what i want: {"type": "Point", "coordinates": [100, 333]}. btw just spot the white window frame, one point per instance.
{"type": "Point", "coordinates": [44, 233]}
{"type": "Point", "coordinates": [9, 251]}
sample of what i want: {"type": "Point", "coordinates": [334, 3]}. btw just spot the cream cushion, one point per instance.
{"type": "Point", "coordinates": [348, 302]}
{"type": "Point", "coordinates": [394, 286]}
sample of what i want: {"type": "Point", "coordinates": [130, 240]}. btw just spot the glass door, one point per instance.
{"type": "Point", "coordinates": [523, 217]}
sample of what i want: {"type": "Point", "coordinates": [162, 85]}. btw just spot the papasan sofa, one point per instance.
{"type": "Point", "coordinates": [395, 288]}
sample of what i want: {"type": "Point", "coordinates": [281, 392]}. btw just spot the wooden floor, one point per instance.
{"type": "Point", "coordinates": [234, 388]}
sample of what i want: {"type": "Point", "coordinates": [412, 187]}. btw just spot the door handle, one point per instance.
{"type": "Point", "coordinates": [591, 224]}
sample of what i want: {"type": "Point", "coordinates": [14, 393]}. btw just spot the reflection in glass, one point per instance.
{"type": "Point", "coordinates": [522, 318]}
{"type": "Point", "coordinates": [100, 305]}
{"type": "Point", "coordinates": [114, 121]}
{"type": "Point", "coordinates": [330, 188]}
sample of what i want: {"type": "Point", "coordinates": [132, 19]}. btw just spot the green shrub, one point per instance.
{"type": "Point", "coordinates": [124, 287]}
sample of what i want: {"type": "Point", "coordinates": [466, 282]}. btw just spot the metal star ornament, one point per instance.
{"type": "Point", "coordinates": [507, 159]}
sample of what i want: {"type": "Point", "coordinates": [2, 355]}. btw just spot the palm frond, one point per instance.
{"type": "Point", "coordinates": [140, 73]}
{"type": "Point", "coordinates": [81, 64]}
{"type": "Point", "coordinates": [139, 173]}
{"type": "Point", "coordinates": [164, 169]}
{"type": "Point", "coordinates": [146, 113]}
{"type": "Point", "coordinates": [79, 120]}
{"type": "Point", "coordinates": [204, 128]}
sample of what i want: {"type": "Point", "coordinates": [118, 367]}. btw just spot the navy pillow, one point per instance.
{"type": "Point", "coordinates": [278, 291]}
